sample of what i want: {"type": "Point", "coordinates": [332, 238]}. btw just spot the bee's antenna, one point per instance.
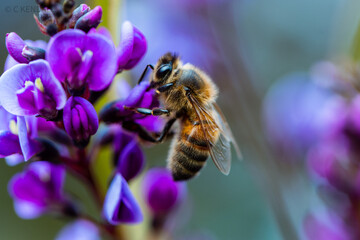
{"type": "Point", "coordinates": [144, 72]}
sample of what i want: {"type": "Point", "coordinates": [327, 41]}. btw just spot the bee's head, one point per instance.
{"type": "Point", "coordinates": [164, 69]}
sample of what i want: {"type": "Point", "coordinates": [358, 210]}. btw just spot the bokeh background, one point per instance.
{"type": "Point", "coordinates": [245, 46]}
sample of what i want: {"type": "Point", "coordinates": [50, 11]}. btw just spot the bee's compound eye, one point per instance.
{"type": "Point", "coordinates": [163, 71]}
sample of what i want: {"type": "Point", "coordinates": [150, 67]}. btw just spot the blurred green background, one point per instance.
{"type": "Point", "coordinates": [268, 39]}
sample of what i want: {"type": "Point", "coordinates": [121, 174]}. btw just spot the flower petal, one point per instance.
{"type": "Point", "coordinates": [104, 63]}
{"type": "Point", "coordinates": [79, 230]}
{"type": "Point", "coordinates": [28, 210]}
{"type": "Point", "coordinates": [14, 159]}
{"type": "Point", "coordinates": [29, 146]}
{"type": "Point", "coordinates": [15, 45]}
{"type": "Point", "coordinates": [53, 88]}
{"type": "Point", "coordinates": [126, 45]}
{"type": "Point", "coordinates": [9, 144]}
{"type": "Point", "coordinates": [10, 82]}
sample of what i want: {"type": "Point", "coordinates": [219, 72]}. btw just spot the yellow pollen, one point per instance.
{"type": "Point", "coordinates": [28, 83]}
{"type": "Point", "coordinates": [39, 84]}
{"type": "Point", "coordinates": [13, 127]}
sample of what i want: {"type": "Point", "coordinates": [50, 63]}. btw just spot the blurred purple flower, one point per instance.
{"type": "Point", "coordinates": [131, 48]}
{"type": "Point", "coordinates": [325, 228]}
{"type": "Point", "coordinates": [89, 20]}
{"type": "Point", "coordinates": [194, 40]}
{"type": "Point", "coordinates": [297, 113]}
{"type": "Point", "coordinates": [79, 230]}
{"type": "Point", "coordinates": [81, 60]}
{"type": "Point", "coordinates": [120, 205]}
{"type": "Point", "coordinates": [37, 189]}
{"type": "Point", "coordinates": [29, 89]}
{"type": "Point", "coordinates": [161, 192]}
{"type": "Point", "coordinates": [80, 120]}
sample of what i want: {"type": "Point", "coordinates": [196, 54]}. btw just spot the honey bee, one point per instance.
{"type": "Point", "coordinates": [188, 95]}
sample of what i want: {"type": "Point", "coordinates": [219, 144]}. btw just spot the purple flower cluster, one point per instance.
{"type": "Point", "coordinates": [321, 124]}
{"type": "Point", "coordinates": [47, 118]}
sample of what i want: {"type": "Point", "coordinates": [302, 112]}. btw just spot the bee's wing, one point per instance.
{"type": "Point", "coordinates": [220, 151]}
{"type": "Point", "coordinates": [227, 130]}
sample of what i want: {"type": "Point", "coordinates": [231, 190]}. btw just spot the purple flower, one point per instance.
{"type": "Point", "coordinates": [89, 20]}
{"type": "Point", "coordinates": [161, 192]}
{"type": "Point", "coordinates": [120, 205]}
{"type": "Point", "coordinates": [37, 189]}
{"type": "Point", "coordinates": [131, 48]}
{"type": "Point", "coordinates": [80, 120]}
{"type": "Point", "coordinates": [82, 60]}
{"type": "Point", "coordinates": [17, 137]}
{"type": "Point", "coordinates": [79, 230]}
{"type": "Point", "coordinates": [29, 89]}
{"type": "Point", "coordinates": [302, 109]}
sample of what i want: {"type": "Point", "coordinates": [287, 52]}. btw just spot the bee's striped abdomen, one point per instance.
{"type": "Point", "coordinates": [190, 153]}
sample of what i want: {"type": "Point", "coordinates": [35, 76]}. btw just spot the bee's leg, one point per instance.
{"type": "Point", "coordinates": [146, 111]}
{"type": "Point", "coordinates": [140, 130]}
{"type": "Point", "coordinates": [144, 134]}
{"type": "Point", "coordinates": [164, 88]}
{"type": "Point", "coordinates": [166, 129]}
{"type": "Point", "coordinates": [144, 72]}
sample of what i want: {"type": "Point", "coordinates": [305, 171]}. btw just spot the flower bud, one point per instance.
{"type": "Point", "coordinates": [120, 205]}
{"type": "Point", "coordinates": [161, 192]}
{"type": "Point", "coordinates": [57, 10]}
{"type": "Point", "coordinates": [51, 29]}
{"type": "Point", "coordinates": [46, 17]}
{"type": "Point", "coordinates": [33, 53]}
{"type": "Point", "coordinates": [41, 3]}
{"type": "Point", "coordinates": [68, 6]}
{"type": "Point", "coordinates": [129, 156]}
{"type": "Point", "coordinates": [78, 13]}
{"type": "Point", "coordinates": [90, 20]}
{"type": "Point", "coordinates": [80, 120]}
{"type": "Point", "coordinates": [15, 46]}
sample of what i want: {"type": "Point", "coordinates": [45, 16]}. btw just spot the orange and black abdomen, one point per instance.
{"type": "Point", "coordinates": [190, 152]}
